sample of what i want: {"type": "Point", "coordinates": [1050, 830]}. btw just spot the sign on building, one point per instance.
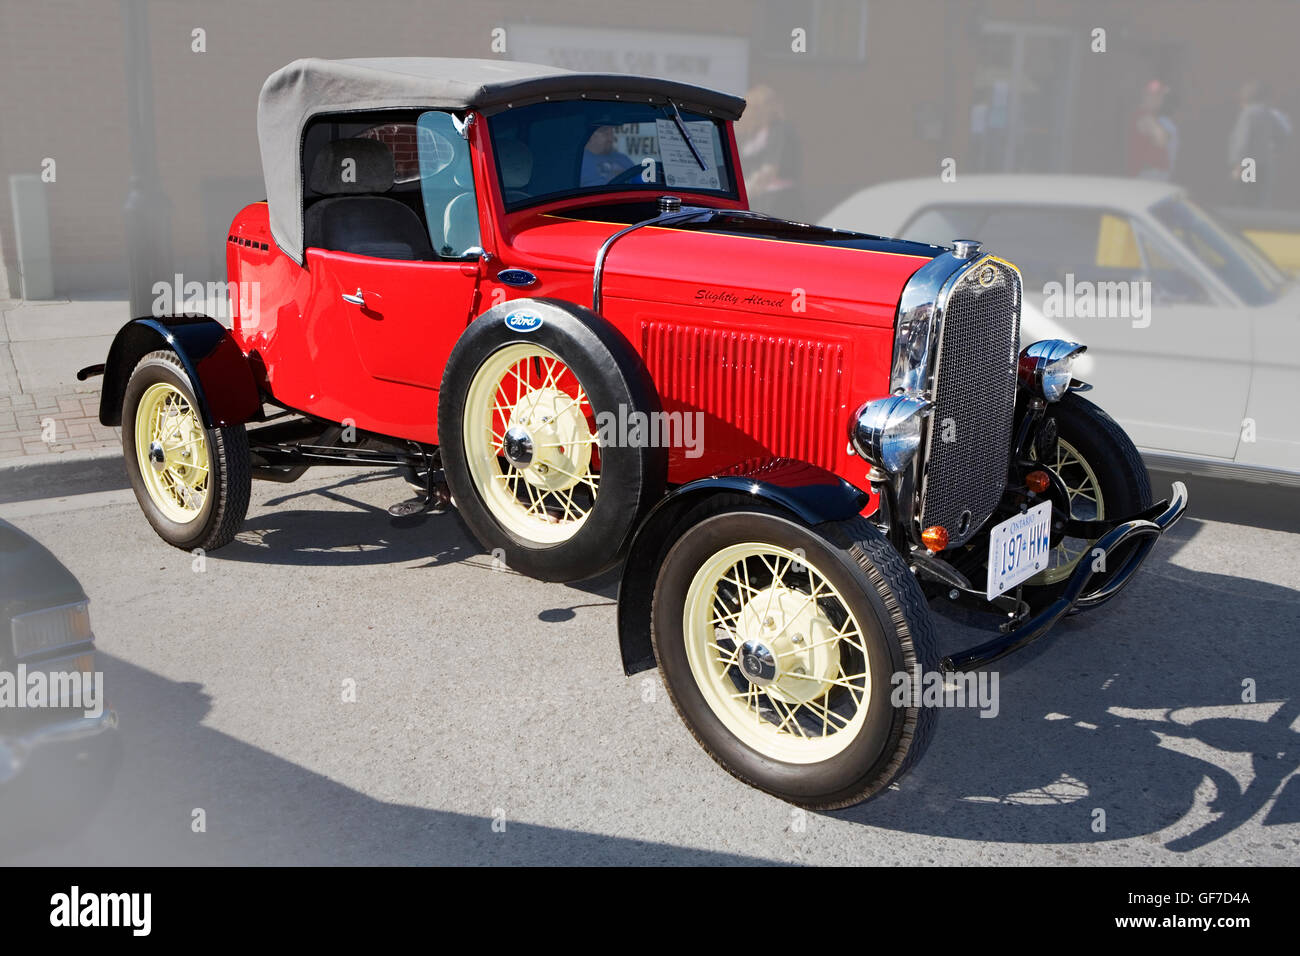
{"type": "Point", "coordinates": [718, 62]}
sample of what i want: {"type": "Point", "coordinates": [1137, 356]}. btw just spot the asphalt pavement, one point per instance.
{"type": "Point", "coordinates": [339, 686]}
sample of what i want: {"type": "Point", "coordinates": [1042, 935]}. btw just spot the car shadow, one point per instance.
{"type": "Point", "coordinates": [1183, 723]}
{"type": "Point", "coordinates": [603, 588]}
{"type": "Point", "coordinates": [260, 809]}
{"type": "Point", "coordinates": [366, 534]}
{"type": "Point", "coordinates": [1105, 730]}
{"type": "Point", "coordinates": [350, 538]}
{"type": "Point", "coordinates": [362, 534]}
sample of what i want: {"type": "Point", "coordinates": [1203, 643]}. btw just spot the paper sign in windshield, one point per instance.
{"type": "Point", "coordinates": [680, 168]}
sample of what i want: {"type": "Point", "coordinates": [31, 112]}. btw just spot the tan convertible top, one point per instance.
{"type": "Point", "coordinates": [306, 88]}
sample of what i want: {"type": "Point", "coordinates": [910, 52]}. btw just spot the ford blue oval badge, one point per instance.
{"type": "Point", "coordinates": [516, 277]}
{"type": "Point", "coordinates": [522, 321]}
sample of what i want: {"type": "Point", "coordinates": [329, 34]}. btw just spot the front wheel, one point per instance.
{"type": "Point", "coordinates": [780, 645]}
{"type": "Point", "coordinates": [1104, 477]}
{"type": "Point", "coordinates": [192, 482]}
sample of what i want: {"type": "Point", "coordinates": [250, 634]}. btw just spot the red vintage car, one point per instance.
{"type": "Point", "coordinates": [542, 295]}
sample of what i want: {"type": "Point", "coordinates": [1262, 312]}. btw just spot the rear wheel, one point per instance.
{"type": "Point", "coordinates": [778, 644]}
{"type": "Point", "coordinates": [192, 482]}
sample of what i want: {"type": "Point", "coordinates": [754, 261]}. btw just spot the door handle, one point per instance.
{"type": "Point", "coordinates": [358, 299]}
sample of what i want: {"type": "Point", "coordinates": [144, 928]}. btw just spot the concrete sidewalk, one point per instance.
{"type": "Point", "coordinates": [44, 410]}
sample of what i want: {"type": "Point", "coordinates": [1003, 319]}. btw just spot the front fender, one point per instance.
{"type": "Point", "coordinates": [218, 370]}
{"type": "Point", "coordinates": [806, 492]}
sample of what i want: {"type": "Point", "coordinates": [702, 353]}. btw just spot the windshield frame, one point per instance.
{"type": "Point", "coordinates": [726, 149]}
{"type": "Point", "coordinates": [1254, 281]}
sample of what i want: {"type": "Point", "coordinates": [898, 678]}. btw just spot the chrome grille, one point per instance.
{"type": "Point", "coordinates": [969, 440]}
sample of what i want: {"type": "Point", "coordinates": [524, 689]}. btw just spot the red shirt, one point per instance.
{"type": "Point", "coordinates": [1143, 151]}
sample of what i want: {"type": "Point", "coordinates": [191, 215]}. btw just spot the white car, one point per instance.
{"type": "Point", "coordinates": [1193, 336]}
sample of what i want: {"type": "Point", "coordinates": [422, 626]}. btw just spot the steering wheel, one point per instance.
{"type": "Point", "coordinates": [634, 172]}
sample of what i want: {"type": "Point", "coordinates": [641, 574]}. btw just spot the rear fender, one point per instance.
{"type": "Point", "coordinates": [805, 492]}
{"type": "Point", "coordinates": [219, 372]}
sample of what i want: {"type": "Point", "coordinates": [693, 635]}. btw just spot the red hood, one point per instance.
{"type": "Point", "coordinates": [765, 266]}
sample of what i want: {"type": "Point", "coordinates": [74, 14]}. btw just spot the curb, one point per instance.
{"type": "Point", "coordinates": [56, 475]}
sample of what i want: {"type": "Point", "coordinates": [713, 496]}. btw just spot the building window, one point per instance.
{"type": "Point", "coordinates": [834, 30]}
{"type": "Point", "coordinates": [404, 141]}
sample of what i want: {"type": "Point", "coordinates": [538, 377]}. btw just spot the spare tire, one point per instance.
{"type": "Point", "coordinates": [519, 412]}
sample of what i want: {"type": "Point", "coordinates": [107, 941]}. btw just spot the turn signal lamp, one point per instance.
{"type": "Point", "coordinates": [935, 538]}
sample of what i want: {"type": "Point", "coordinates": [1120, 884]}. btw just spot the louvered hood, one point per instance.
{"type": "Point", "coordinates": [773, 331]}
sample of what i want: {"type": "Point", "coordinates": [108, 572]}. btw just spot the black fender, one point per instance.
{"type": "Point", "coordinates": [219, 371]}
{"type": "Point", "coordinates": [806, 492]}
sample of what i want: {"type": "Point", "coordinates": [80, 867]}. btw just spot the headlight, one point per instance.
{"type": "Point", "coordinates": [1046, 367]}
{"type": "Point", "coordinates": [887, 432]}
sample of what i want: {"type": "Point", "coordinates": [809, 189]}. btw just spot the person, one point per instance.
{"type": "Point", "coordinates": [769, 152]}
{"type": "Point", "coordinates": [1148, 137]}
{"type": "Point", "coordinates": [1168, 122]}
{"type": "Point", "coordinates": [1259, 134]}
{"type": "Point", "coordinates": [601, 162]}
{"type": "Point", "coordinates": [1283, 121]}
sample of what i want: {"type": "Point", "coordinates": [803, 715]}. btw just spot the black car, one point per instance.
{"type": "Point", "coordinates": [59, 748]}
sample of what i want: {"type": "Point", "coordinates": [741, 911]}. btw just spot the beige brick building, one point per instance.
{"type": "Point", "coordinates": [875, 89]}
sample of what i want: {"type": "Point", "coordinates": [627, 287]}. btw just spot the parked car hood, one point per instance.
{"type": "Point", "coordinates": [30, 577]}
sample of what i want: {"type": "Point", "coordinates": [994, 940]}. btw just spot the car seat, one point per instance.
{"type": "Point", "coordinates": [354, 216]}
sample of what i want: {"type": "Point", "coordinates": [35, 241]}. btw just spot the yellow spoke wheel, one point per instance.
{"type": "Point", "coordinates": [1086, 504]}
{"type": "Point", "coordinates": [1103, 478]}
{"type": "Point", "coordinates": [536, 471]}
{"type": "Point", "coordinates": [776, 652]}
{"type": "Point", "coordinates": [172, 453]}
{"type": "Point", "coordinates": [781, 644]}
{"type": "Point", "coordinates": [529, 443]}
{"type": "Point", "coordinates": [192, 482]}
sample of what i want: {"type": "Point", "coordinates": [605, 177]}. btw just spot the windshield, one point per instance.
{"type": "Point", "coordinates": [1234, 260]}
{"type": "Point", "coordinates": [553, 150]}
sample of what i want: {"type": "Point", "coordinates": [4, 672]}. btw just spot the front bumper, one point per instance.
{"type": "Point", "coordinates": [16, 751]}
{"type": "Point", "coordinates": [1146, 531]}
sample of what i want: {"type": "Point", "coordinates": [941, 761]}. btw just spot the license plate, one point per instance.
{"type": "Point", "coordinates": [1019, 548]}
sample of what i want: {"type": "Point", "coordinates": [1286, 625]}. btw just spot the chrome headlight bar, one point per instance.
{"type": "Point", "coordinates": [887, 432]}
{"type": "Point", "coordinates": [1046, 367]}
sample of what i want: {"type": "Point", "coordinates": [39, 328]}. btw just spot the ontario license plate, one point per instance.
{"type": "Point", "coordinates": [1019, 548]}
